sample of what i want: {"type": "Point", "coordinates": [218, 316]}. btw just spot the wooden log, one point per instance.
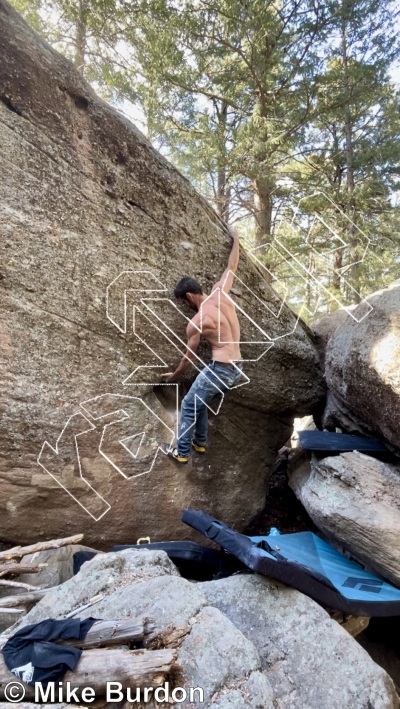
{"type": "Point", "coordinates": [20, 569]}
{"type": "Point", "coordinates": [13, 611]}
{"type": "Point", "coordinates": [24, 599]}
{"type": "Point", "coordinates": [170, 637]}
{"type": "Point", "coordinates": [19, 584]}
{"type": "Point", "coordinates": [132, 668]}
{"type": "Point", "coordinates": [40, 546]}
{"type": "Point", "coordinates": [105, 633]}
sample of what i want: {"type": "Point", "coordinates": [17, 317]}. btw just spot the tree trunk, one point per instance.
{"type": "Point", "coordinates": [223, 195]}
{"type": "Point", "coordinates": [223, 187]}
{"type": "Point", "coordinates": [338, 255]}
{"type": "Point", "coordinates": [263, 212]}
{"type": "Point", "coordinates": [336, 277]}
{"type": "Point", "coordinates": [349, 153]}
{"type": "Point", "coordinates": [81, 36]}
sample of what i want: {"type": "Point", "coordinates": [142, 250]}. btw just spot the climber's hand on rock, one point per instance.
{"type": "Point", "coordinates": [233, 233]}
{"type": "Point", "coordinates": [169, 377]}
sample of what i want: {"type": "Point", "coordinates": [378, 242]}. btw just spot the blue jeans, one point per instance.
{"type": "Point", "coordinates": [214, 379]}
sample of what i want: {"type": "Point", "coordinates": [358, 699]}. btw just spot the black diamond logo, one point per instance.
{"type": "Point", "coordinates": [368, 585]}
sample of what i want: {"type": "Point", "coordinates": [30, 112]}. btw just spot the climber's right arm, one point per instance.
{"type": "Point", "coordinates": [226, 281]}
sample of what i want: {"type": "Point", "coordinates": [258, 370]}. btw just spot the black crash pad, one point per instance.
{"type": "Point", "coordinates": [338, 442]}
{"type": "Point", "coordinates": [308, 563]}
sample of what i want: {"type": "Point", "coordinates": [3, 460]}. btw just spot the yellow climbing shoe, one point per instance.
{"type": "Point", "coordinates": [198, 448]}
{"type": "Point", "coordinates": [173, 453]}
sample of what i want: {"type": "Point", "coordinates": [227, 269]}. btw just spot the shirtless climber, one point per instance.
{"type": "Point", "coordinates": [217, 321]}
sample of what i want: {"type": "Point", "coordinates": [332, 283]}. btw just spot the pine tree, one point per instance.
{"type": "Point", "coordinates": [246, 70]}
{"type": "Point", "coordinates": [356, 154]}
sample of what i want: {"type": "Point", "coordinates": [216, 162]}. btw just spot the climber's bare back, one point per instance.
{"type": "Point", "coordinates": [219, 325]}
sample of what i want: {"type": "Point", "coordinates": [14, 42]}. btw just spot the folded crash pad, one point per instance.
{"type": "Point", "coordinates": [194, 561]}
{"type": "Point", "coordinates": [338, 442]}
{"type": "Point", "coordinates": [305, 562]}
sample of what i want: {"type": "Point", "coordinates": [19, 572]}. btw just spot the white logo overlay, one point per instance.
{"type": "Point", "coordinates": [24, 672]}
{"type": "Point", "coordinates": [137, 303]}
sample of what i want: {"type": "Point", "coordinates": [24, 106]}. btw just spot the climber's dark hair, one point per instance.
{"type": "Point", "coordinates": [187, 285]}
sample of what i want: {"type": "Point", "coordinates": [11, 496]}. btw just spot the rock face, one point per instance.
{"type": "Point", "coordinates": [92, 221]}
{"type": "Point", "coordinates": [324, 328]}
{"type": "Point", "coordinates": [308, 658]}
{"type": "Point", "coordinates": [355, 500]}
{"type": "Point", "coordinates": [248, 642]}
{"type": "Point", "coordinates": [362, 368]}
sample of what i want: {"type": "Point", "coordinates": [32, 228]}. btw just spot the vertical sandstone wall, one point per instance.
{"type": "Point", "coordinates": [85, 198]}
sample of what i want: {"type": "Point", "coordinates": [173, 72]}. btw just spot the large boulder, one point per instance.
{"type": "Point", "coordinates": [324, 327]}
{"type": "Point", "coordinates": [247, 641]}
{"type": "Point", "coordinates": [92, 221]}
{"type": "Point", "coordinates": [308, 658]}
{"type": "Point", "coordinates": [109, 578]}
{"type": "Point", "coordinates": [355, 500]}
{"type": "Point", "coordinates": [362, 368]}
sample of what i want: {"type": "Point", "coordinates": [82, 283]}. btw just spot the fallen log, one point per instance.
{"type": "Point", "coordinates": [132, 668]}
{"type": "Point", "coordinates": [18, 584]}
{"type": "Point", "coordinates": [105, 633]}
{"type": "Point", "coordinates": [40, 546]}
{"type": "Point", "coordinates": [20, 569]}
{"type": "Point", "coordinates": [24, 599]}
{"type": "Point", "coordinates": [112, 632]}
{"type": "Point", "coordinates": [170, 637]}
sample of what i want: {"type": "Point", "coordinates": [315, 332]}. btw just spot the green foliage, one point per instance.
{"type": "Point", "coordinates": [261, 104]}
{"type": "Point", "coordinates": [235, 82]}
{"type": "Point", "coordinates": [30, 10]}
